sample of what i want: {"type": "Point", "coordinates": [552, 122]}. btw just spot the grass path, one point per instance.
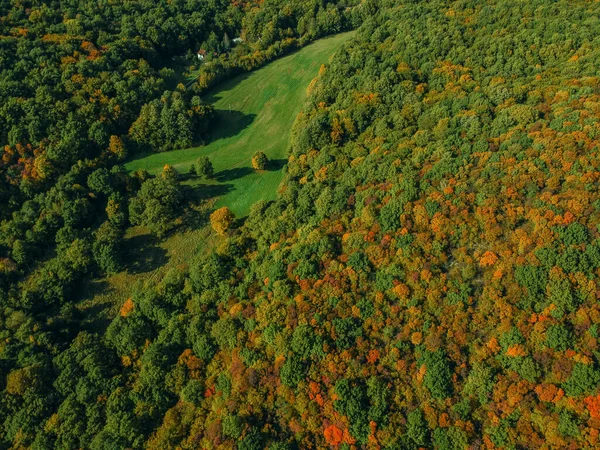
{"type": "Point", "coordinates": [255, 111]}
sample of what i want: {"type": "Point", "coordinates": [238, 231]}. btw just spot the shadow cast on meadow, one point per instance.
{"type": "Point", "coordinates": [228, 123]}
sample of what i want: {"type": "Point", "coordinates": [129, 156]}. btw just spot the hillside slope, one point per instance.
{"type": "Point", "coordinates": [427, 276]}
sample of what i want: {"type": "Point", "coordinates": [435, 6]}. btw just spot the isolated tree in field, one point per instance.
{"type": "Point", "coordinates": [221, 220]}
{"type": "Point", "coordinates": [259, 161]}
{"type": "Point", "coordinates": [204, 168]}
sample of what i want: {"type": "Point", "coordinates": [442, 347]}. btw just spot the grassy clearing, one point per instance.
{"type": "Point", "coordinates": [255, 111]}
{"type": "Point", "coordinates": [148, 259]}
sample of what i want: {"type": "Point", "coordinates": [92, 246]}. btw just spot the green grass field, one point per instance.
{"type": "Point", "coordinates": [255, 111]}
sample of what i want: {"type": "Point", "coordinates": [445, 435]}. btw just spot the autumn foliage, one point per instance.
{"type": "Point", "coordinates": [427, 276]}
{"type": "Point", "coordinates": [221, 220]}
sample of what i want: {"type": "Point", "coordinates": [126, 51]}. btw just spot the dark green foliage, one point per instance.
{"type": "Point", "coordinates": [573, 234]}
{"type": "Point", "coordinates": [584, 379]}
{"type": "Point", "coordinates": [193, 392]}
{"type": "Point", "coordinates": [100, 181]}
{"type": "Point", "coordinates": [171, 122]}
{"type": "Point", "coordinates": [259, 161]}
{"type": "Point", "coordinates": [253, 440]}
{"type": "Point", "coordinates": [128, 334]}
{"type": "Point", "coordinates": [438, 374]}
{"type": "Point", "coordinates": [353, 403]}
{"type": "Point", "coordinates": [157, 204]}
{"type": "Point", "coordinates": [389, 216]}
{"type": "Point", "coordinates": [307, 269]}
{"type": "Point", "coordinates": [568, 425]}
{"type": "Point", "coordinates": [525, 366]}
{"type": "Point", "coordinates": [224, 332]}
{"type": "Point", "coordinates": [416, 428]}
{"type": "Point", "coordinates": [451, 438]}
{"type": "Point", "coordinates": [203, 168]}
{"type": "Point", "coordinates": [359, 262]}
{"type": "Point", "coordinates": [378, 394]}
{"type": "Point", "coordinates": [209, 272]}
{"type": "Point", "coordinates": [561, 295]}
{"type": "Point", "coordinates": [438, 133]}
{"type": "Point", "coordinates": [305, 342]}
{"type": "Point", "coordinates": [20, 252]}
{"type": "Point", "coordinates": [223, 385]}
{"type": "Point", "coordinates": [432, 207]}
{"type": "Point", "coordinates": [346, 331]}
{"type": "Point", "coordinates": [362, 404]}
{"type": "Point", "coordinates": [204, 348]}
{"type": "Point", "coordinates": [366, 308]}
{"type": "Point", "coordinates": [534, 279]}
{"type": "Point", "coordinates": [280, 446]}
{"type": "Point", "coordinates": [292, 371]}
{"type": "Point", "coordinates": [559, 337]}
{"type": "Point", "coordinates": [232, 426]}
{"type": "Point", "coordinates": [108, 248]}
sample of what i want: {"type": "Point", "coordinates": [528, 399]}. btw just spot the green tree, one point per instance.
{"type": "Point", "coordinates": [108, 248]}
{"type": "Point", "coordinates": [438, 373]}
{"type": "Point", "coordinates": [204, 168]}
{"type": "Point", "coordinates": [157, 204]}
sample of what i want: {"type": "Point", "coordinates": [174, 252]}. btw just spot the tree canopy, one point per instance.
{"type": "Point", "coordinates": [426, 278]}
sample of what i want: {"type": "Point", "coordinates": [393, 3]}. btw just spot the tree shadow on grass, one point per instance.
{"type": "Point", "coordinates": [228, 123]}
{"type": "Point", "coordinates": [186, 176]}
{"type": "Point", "coordinates": [276, 164]}
{"type": "Point", "coordinates": [215, 93]}
{"type": "Point", "coordinates": [232, 174]}
{"type": "Point", "coordinates": [93, 317]}
{"type": "Point", "coordinates": [144, 255]}
{"type": "Point", "coordinates": [197, 215]}
{"type": "Point", "coordinates": [202, 192]}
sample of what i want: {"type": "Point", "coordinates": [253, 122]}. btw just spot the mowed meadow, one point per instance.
{"type": "Point", "coordinates": [254, 112]}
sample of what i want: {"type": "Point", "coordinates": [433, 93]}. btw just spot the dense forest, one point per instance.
{"type": "Point", "coordinates": [427, 277]}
